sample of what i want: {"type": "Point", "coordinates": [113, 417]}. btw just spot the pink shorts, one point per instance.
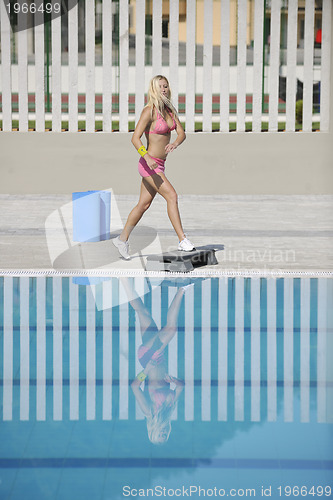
{"type": "Point", "coordinates": [145, 171]}
{"type": "Point", "coordinates": [145, 354]}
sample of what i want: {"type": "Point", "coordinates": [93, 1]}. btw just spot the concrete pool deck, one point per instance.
{"type": "Point", "coordinates": [251, 233]}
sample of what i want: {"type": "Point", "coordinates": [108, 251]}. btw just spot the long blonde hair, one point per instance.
{"type": "Point", "coordinates": [155, 98]}
{"type": "Point", "coordinates": [158, 422]}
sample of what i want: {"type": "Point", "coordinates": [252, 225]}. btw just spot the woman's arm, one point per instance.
{"type": "Point", "coordinates": [178, 383]}
{"type": "Point", "coordinates": [138, 393]}
{"type": "Point", "coordinates": [181, 136]}
{"type": "Point", "coordinates": [178, 391]}
{"type": "Point", "coordinates": [142, 125]}
{"type": "Point", "coordinates": [140, 397]}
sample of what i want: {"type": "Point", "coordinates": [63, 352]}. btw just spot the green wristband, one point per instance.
{"type": "Point", "coordinates": [141, 376]}
{"type": "Point", "coordinates": [142, 151]}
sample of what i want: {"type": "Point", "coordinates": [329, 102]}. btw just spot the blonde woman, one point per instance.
{"type": "Point", "coordinates": [154, 389]}
{"type": "Point", "coordinates": [158, 119]}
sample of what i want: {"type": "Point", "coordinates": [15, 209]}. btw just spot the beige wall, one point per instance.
{"type": "Point", "coordinates": [236, 163]}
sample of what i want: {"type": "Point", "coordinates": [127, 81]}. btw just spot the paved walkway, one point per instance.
{"type": "Point", "coordinates": [266, 233]}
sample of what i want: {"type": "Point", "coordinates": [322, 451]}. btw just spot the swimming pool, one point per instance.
{"type": "Point", "coordinates": [254, 417]}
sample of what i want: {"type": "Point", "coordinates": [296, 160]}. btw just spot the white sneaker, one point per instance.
{"type": "Point", "coordinates": [185, 287]}
{"type": "Point", "coordinates": [123, 247]}
{"type": "Point", "coordinates": [185, 245]}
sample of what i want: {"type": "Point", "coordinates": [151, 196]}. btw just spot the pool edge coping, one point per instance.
{"type": "Point", "coordinates": [250, 273]}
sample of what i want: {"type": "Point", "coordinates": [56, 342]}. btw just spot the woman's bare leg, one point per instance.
{"type": "Point", "coordinates": [161, 184]}
{"type": "Point", "coordinates": [145, 318]}
{"type": "Point", "coordinates": [169, 331]}
{"type": "Point", "coordinates": [144, 315]}
{"type": "Point", "coordinates": [147, 194]}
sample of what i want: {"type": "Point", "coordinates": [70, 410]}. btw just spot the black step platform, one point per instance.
{"type": "Point", "coordinates": [181, 262]}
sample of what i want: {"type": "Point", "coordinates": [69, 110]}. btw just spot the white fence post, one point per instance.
{"type": "Point", "coordinates": [39, 72]}
{"type": "Point", "coordinates": [239, 349]}
{"type": "Point", "coordinates": [157, 37]}
{"type": "Point", "coordinates": [8, 350]}
{"type": "Point", "coordinates": [322, 326]}
{"type": "Point", "coordinates": [207, 67]}
{"type": "Point", "coordinates": [24, 349]}
{"type": "Point", "coordinates": [274, 66]}
{"type": "Point", "coordinates": [288, 350]}
{"type": "Point", "coordinates": [325, 65]}
{"type": "Point", "coordinates": [56, 73]}
{"type": "Point", "coordinates": [308, 66]}
{"type": "Point", "coordinates": [74, 329]}
{"type": "Point", "coordinates": [23, 73]}
{"type": "Point", "coordinates": [139, 58]}
{"type": "Point", "coordinates": [241, 65]}
{"type": "Point", "coordinates": [90, 356]}
{"type": "Point", "coordinates": [107, 350]}
{"type": "Point", "coordinates": [222, 398]}
{"type": "Point", "coordinates": [57, 301]}
{"type": "Point", "coordinates": [305, 350]}
{"type": "Point", "coordinates": [6, 70]}
{"type": "Point", "coordinates": [257, 65]}
{"type": "Point", "coordinates": [107, 65]}
{"type": "Point", "coordinates": [291, 65]}
{"type": "Point", "coordinates": [271, 351]}
{"type": "Point", "coordinates": [90, 66]}
{"type": "Point", "coordinates": [189, 358]}
{"type": "Point", "coordinates": [123, 70]}
{"type": "Point", "coordinates": [174, 50]}
{"type": "Point", "coordinates": [41, 348]}
{"type": "Point", "coordinates": [73, 62]}
{"type": "Point", "coordinates": [190, 63]}
{"type": "Point", "coordinates": [206, 340]}
{"type": "Point", "coordinates": [255, 351]}
{"type": "Point", "coordinates": [225, 66]}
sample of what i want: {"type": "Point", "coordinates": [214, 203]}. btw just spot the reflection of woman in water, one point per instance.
{"type": "Point", "coordinates": [157, 400]}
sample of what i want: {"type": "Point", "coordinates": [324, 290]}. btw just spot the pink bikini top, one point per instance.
{"type": "Point", "coordinates": [158, 396]}
{"type": "Point", "coordinates": [161, 126]}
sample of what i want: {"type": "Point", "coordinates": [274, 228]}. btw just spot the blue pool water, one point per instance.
{"type": "Point", "coordinates": [253, 418]}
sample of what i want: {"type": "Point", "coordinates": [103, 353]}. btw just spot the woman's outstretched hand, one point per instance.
{"type": "Point", "coordinates": [169, 379]}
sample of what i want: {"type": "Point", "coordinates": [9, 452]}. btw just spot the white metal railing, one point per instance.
{"type": "Point", "coordinates": [22, 78]}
